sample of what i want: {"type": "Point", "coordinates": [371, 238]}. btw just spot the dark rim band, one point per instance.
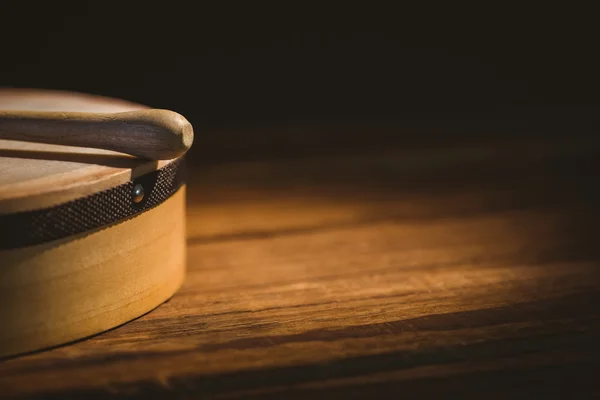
{"type": "Point", "coordinates": [91, 212]}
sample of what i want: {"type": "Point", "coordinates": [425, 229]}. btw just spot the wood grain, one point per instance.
{"type": "Point", "coordinates": [362, 275]}
{"type": "Point", "coordinates": [76, 287]}
{"type": "Point", "coordinates": [68, 289]}
{"type": "Point", "coordinates": [152, 134]}
{"type": "Point", "coordinates": [38, 175]}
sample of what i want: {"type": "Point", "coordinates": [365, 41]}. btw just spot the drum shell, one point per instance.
{"type": "Point", "coordinates": [65, 290]}
{"type": "Point", "coordinates": [80, 251]}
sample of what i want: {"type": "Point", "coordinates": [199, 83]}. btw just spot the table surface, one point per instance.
{"type": "Point", "coordinates": [348, 262]}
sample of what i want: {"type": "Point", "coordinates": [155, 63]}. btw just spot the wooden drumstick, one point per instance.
{"type": "Point", "coordinates": [147, 133]}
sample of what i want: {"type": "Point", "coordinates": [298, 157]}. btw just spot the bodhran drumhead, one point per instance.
{"type": "Point", "coordinates": [89, 239]}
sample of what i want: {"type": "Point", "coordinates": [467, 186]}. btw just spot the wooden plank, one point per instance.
{"type": "Point", "coordinates": [376, 289]}
{"type": "Point", "coordinates": [347, 286]}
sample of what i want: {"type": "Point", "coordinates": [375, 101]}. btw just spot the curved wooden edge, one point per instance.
{"type": "Point", "coordinates": [70, 186]}
{"type": "Point", "coordinates": [152, 134]}
{"type": "Point", "coordinates": [67, 290]}
{"type": "Point", "coordinates": [35, 176]}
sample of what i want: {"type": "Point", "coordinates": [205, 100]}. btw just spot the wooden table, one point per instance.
{"type": "Point", "coordinates": [365, 261]}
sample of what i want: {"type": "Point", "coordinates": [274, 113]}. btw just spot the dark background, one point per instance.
{"type": "Point", "coordinates": [240, 65]}
{"type": "Point", "coordinates": [233, 68]}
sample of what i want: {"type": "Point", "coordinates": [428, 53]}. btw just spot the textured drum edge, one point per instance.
{"type": "Point", "coordinates": [58, 292]}
{"type": "Point", "coordinates": [98, 210]}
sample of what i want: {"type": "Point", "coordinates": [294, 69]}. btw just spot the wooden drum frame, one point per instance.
{"type": "Point", "coordinates": [89, 238]}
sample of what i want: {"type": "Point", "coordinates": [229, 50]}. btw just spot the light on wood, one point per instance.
{"type": "Point", "coordinates": [69, 288]}
{"type": "Point", "coordinates": [148, 133]}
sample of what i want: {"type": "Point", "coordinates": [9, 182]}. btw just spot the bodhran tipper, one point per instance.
{"type": "Point", "coordinates": [92, 214]}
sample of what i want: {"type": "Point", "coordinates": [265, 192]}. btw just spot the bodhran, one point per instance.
{"type": "Point", "coordinates": [89, 238]}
